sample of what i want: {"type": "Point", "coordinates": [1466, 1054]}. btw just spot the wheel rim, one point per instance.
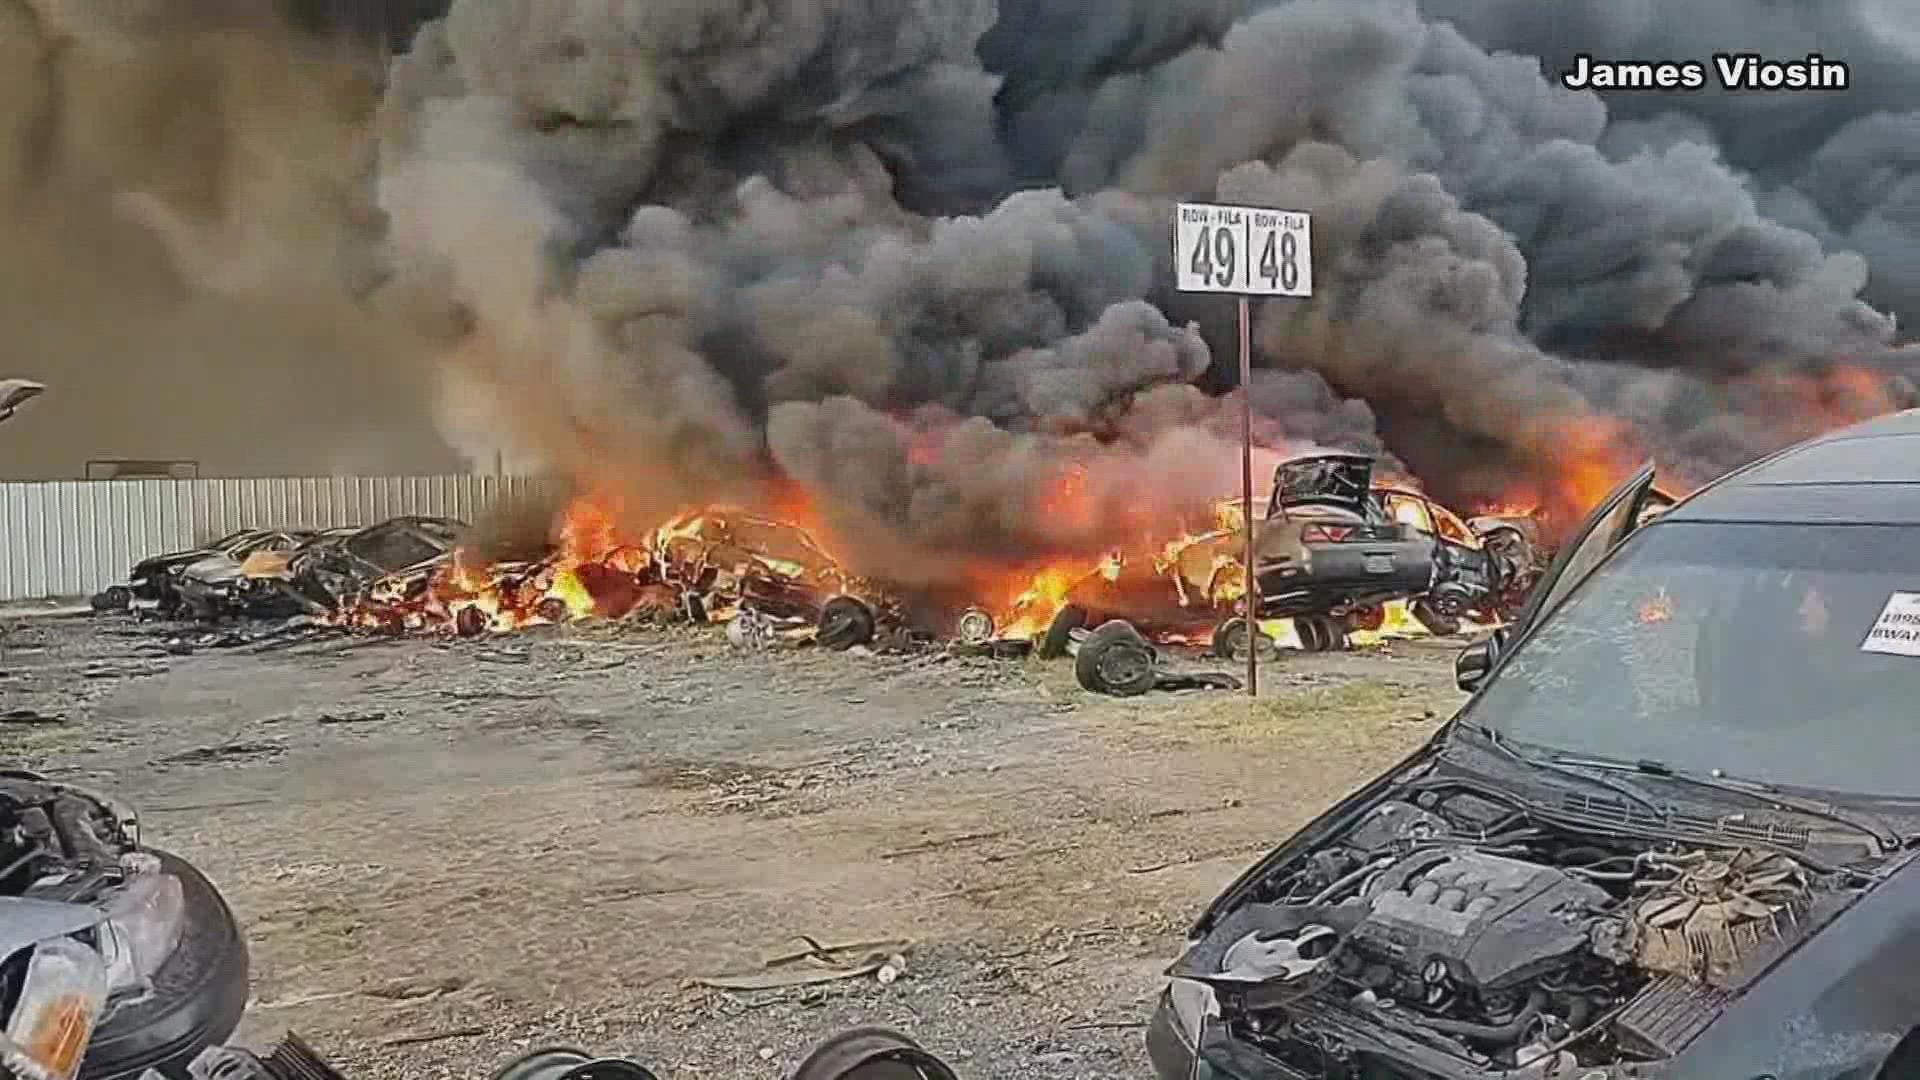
{"type": "Point", "coordinates": [1232, 638]}
{"type": "Point", "coordinates": [976, 627]}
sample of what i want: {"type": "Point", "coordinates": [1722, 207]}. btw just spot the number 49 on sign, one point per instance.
{"type": "Point", "coordinates": [1242, 249]}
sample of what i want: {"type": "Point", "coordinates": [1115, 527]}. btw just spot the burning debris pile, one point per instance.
{"type": "Point", "coordinates": [1343, 561]}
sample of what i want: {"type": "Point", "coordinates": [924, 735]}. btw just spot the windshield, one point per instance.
{"type": "Point", "coordinates": [393, 548]}
{"type": "Point", "coordinates": [1784, 653]}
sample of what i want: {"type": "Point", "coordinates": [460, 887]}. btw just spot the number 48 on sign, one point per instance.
{"type": "Point", "coordinates": [1242, 249]}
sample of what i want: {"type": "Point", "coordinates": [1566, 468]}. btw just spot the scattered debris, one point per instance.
{"type": "Point", "coordinates": [817, 964]}
{"type": "Point", "coordinates": [419, 1037]}
{"type": "Point", "coordinates": [371, 717]}
{"type": "Point", "coordinates": [31, 717]}
{"type": "Point", "coordinates": [206, 755]}
{"type": "Point", "coordinates": [1116, 659]}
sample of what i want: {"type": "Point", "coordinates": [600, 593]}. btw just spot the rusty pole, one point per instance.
{"type": "Point", "coordinates": [1248, 521]}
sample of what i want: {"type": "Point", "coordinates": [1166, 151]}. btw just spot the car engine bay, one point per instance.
{"type": "Point", "coordinates": [1451, 933]}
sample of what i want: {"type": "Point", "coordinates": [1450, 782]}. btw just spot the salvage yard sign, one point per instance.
{"type": "Point", "coordinates": [1246, 251]}
{"type": "Point", "coordinates": [1242, 249]}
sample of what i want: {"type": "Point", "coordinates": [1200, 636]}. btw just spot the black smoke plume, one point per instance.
{"type": "Point", "coordinates": [914, 254]}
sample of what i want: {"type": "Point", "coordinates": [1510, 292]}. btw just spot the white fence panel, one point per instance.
{"type": "Point", "coordinates": [75, 537]}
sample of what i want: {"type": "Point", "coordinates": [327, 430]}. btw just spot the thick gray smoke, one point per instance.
{"type": "Point", "coordinates": [913, 254]}
{"type": "Point", "coordinates": [1840, 166]}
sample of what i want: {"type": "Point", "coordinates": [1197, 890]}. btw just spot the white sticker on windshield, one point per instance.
{"type": "Point", "coordinates": [1897, 630]}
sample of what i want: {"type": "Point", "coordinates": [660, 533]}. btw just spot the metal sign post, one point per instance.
{"type": "Point", "coordinates": [1246, 251]}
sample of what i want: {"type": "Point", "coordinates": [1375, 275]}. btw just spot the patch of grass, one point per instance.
{"type": "Point", "coordinates": [1354, 715]}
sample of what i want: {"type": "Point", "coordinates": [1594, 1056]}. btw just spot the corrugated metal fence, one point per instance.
{"type": "Point", "coordinates": [71, 538]}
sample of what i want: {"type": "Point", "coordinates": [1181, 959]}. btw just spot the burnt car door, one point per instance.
{"type": "Point", "coordinates": [1625, 510]}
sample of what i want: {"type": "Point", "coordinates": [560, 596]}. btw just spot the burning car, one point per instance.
{"type": "Point", "coordinates": [767, 577]}
{"type": "Point", "coordinates": [332, 569]}
{"type": "Point", "coordinates": [114, 958]}
{"type": "Point", "coordinates": [158, 580]}
{"type": "Point", "coordinates": [1333, 550]}
{"type": "Point", "coordinates": [1673, 832]}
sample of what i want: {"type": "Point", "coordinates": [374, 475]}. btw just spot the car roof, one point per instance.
{"type": "Point", "coordinates": [1867, 474]}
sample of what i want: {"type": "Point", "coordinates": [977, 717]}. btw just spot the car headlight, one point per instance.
{"type": "Point", "coordinates": [61, 1000]}
{"type": "Point", "coordinates": [1193, 1006]}
{"type": "Point", "coordinates": [144, 923]}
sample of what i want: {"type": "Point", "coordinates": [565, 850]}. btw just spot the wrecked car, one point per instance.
{"type": "Point", "coordinates": [157, 580]}
{"type": "Point", "coordinates": [1672, 833]}
{"type": "Point", "coordinates": [1341, 543]}
{"type": "Point", "coordinates": [769, 578]}
{"type": "Point", "coordinates": [1333, 548]}
{"type": "Point", "coordinates": [332, 569]}
{"type": "Point", "coordinates": [115, 958]}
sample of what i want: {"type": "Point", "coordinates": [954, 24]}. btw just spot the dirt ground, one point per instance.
{"type": "Point", "coordinates": [447, 853]}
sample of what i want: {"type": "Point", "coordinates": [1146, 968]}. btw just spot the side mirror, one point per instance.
{"type": "Point", "coordinates": [1470, 668]}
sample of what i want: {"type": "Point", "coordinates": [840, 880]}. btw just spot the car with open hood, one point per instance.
{"type": "Point", "coordinates": [1672, 833]}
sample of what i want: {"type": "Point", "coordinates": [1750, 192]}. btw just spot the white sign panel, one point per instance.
{"type": "Point", "coordinates": [1897, 630]}
{"type": "Point", "coordinates": [1242, 249]}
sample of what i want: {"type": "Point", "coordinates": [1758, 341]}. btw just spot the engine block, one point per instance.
{"type": "Point", "coordinates": [1487, 921]}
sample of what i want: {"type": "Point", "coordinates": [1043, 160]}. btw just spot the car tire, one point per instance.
{"type": "Point", "coordinates": [197, 997]}
{"type": "Point", "coordinates": [1312, 633]}
{"type": "Point", "coordinates": [1439, 624]}
{"type": "Point", "coordinates": [1053, 644]}
{"type": "Point", "coordinates": [844, 623]}
{"type": "Point", "coordinates": [871, 1054]}
{"type": "Point", "coordinates": [112, 598]}
{"type": "Point", "coordinates": [1116, 660]}
{"type": "Point", "coordinates": [975, 626]}
{"type": "Point", "coordinates": [1229, 641]}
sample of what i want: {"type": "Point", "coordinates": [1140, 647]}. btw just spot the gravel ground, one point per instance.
{"type": "Point", "coordinates": [446, 853]}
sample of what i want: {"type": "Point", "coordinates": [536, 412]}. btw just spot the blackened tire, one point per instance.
{"type": "Point", "coordinates": [871, 1054]}
{"type": "Point", "coordinates": [198, 994]}
{"type": "Point", "coordinates": [1333, 633]}
{"type": "Point", "coordinates": [845, 622]}
{"type": "Point", "coordinates": [1230, 638]}
{"type": "Point", "coordinates": [112, 598]}
{"type": "Point", "coordinates": [1312, 633]}
{"type": "Point", "coordinates": [1437, 623]}
{"type": "Point", "coordinates": [1053, 644]}
{"type": "Point", "coordinates": [1116, 660]}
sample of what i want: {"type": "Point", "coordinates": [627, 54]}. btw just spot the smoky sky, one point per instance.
{"type": "Point", "coordinates": [914, 253]}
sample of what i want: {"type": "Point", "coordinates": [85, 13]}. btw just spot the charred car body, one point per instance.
{"type": "Point", "coordinates": [766, 577]}
{"type": "Point", "coordinates": [1334, 542]}
{"type": "Point", "coordinates": [1332, 549]}
{"type": "Point", "coordinates": [162, 579]}
{"type": "Point", "coordinates": [113, 956]}
{"type": "Point", "coordinates": [1672, 834]}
